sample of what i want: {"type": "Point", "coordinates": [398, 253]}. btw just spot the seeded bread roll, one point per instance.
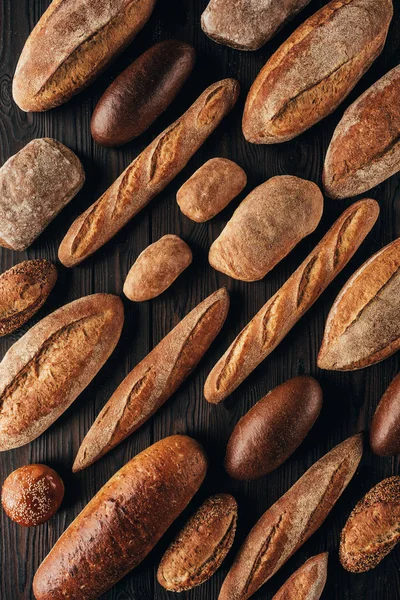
{"type": "Point", "coordinates": [308, 582]}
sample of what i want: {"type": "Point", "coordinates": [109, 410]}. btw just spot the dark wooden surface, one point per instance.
{"type": "Point", "coordinates": [350, 398]}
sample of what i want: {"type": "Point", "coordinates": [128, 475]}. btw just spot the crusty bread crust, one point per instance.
{"type": "Point", "coordinates": [308, 582]}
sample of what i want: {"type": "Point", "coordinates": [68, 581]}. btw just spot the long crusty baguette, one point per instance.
{"type": "Point", "coordinates": [277, 317]}
{"type": "Point", "coordinates": [154, 379]}
{"type": "Point", "coordinates": [363, 325]}
{"type": "Point", "coordinates": [308, 582]}
{"type": "Point", "coordinates": [123, 522]}
{"type": "Point", "coordinates": [288, 523]}
{"type": "Point", "coordinates": [148, 174]}
{"type": "Point", "coordinates": [49, 366]}
{"type": "Point", "coordinates": [71, 44]}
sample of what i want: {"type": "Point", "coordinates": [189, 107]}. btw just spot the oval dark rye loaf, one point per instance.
{"type": "Point", "coordinates": [384, 434]}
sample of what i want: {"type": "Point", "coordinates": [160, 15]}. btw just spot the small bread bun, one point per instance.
{"type": "Point", "coordinates": [32, 494]}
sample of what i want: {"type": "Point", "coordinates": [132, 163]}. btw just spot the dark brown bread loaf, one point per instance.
{"type": "Point", "coordinates": [148, 174]}
{"type": "Point", "coordinates": [247, 24]}
{"type": "Point", "coordinates": [200, 548]}
{"type": "Point", "coordinates": [308, 582]}
{"type": "Point", "coordinates": [384, 435]}
{"type": "Point", "coordinates": [154, 379]}
{"type": "Point", "coordinates": [36, 184]}
{"type": "Point", "coordinates": [142, 92]}
{"type": "Point", "coordinates": [277, 317]}
{"type": "Point", "coordinates": [123, 522]}
{"type": "Point", "coordinates": [71, 44]}
{"type": "Point", "coordinates": [372, 530]}
{"type": "Point", "coordinates": [365, 148]}
{"type": "Point", "coordinates": [315, 69]}
{"type": "Point", "coordinates": [49, 366]}
{"type": "Point", "coordinates": [266, 226]}
{"type": "Point", "coordinates": [272, 430]}
{"type": "Point", "coordinates": [288, 523]}
{"type": "Point", "coordinates": [23, 290]}
{"type": "Point", "coordinates": [363, 325]}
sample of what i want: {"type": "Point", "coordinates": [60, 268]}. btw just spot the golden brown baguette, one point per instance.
{"type": "Point", "coordinates": [277, 317]}
{"type": "Point", "coordinates": [363, 325]}
{"type": "Point", "coordinates": [49, 366]}
{"type": "Point", "coordinates": [200, 548]}
{"type": "Point", "coordinates": [315, 69]}
{"type": "Point", "coordinates": [154, 379]}
{"type": "Point", "coordinates": [71, 44]}
{"type": "Point", "coordinates": [123, 522]}
{"type": "Point", "coordinates": [288, 523]}
{"type": "Point", "coordinates": [23, 290]}
{"type": "Point", "coordinates": [148, 174]}
{"type": "Point", "coordinates": [308, 582]}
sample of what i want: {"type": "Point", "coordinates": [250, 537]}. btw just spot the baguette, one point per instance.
{"type": "Point", "coordinates": [123, 522]}
{"type": "Point", "coordinates": [315, 69]}
{"type": "Point", "coordinates": [148, 174]}
{"type": "Point", "coordinates": [277, 317]}
{"type": "Point", "coordinates": [154, 379]}
{"type": "Point", "coordinates": [384, 434]}
{"type": "Point", "coordinates": [363, 325]}
{"type": "Point", "coordinates": [289, 523]}
{"type": "Point", "coordinates": [365, 147]}
{"type": "Point", "coordinates": [49, 366]}
{"type": "Point", "coordinates": [71, 44]}
{"type": "Point", "coordinates": [308, 582]}
{"type": "Point", "coordinates": [23, 290]}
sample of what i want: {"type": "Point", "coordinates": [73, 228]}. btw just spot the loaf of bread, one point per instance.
{"type": "Point", "coordinates": [36, 184]}
{"type": "Point", "coordinates": [142, 92]}
{"type": "Point", "coordinates": [272, 430]}
{"type": "Point", "coordinates": [210, 189]}
{"type": "Point", "coordinates": [277, 317]}
{"type": "Point", "coordinates": [365, 148]}
{"type": "Point", "coordinates": [23, 290]}
{"type": "Point", "coordinates": [315, 69]}
{"type": "Point", "coordinates": [308, 582]}
{"type": "Point", "coordinates": [372, 530]}
{"type": "Point", "coordinates": [200, 548]}
{"type": "Point", "coordinates": [123, 522]}
{"type": "Point", "coordinates": [384, 435]}
{"type": "Point", "coordinates": [363, 325]}
{"type": "Point", "coordinates": [247, 24]}
{"type": "Point", "coordinates": [266, 226]}
{"type": "Point", "coordinates": [49, 366]}
{"type": "Point", "coordinates": [71, 44]}
{"type": "Point", "coordinates": [154, 379]}
{"type": "Point", "coordinates": [288, 523]}
{"type": "Point", "coordinates": [156, 268]}
{"type": "Point", "coordinates": [148, 174]}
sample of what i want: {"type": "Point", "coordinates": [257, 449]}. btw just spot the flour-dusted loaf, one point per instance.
{"type": "Point", "coordinates": [23, 290]}
{"type": "Point", "coordinates": [365, 148]}
{"type": "Point", "coordinates": [363, 325]}
{"type": "Point", "coordinates": [288, 523]}
{"type": "Point", "coordinates": [266, 226]}
{"type": "Point", "coordinates": [49, 366]}
{"type": "Point", "coordinates": [154, 379]}
{"type": "Point", "coordinates": [308, 582]}
{"type": "Point", "coordinates": [35, 185]}
{"type": "Point", "coordinates": [315, 69]}
{"type": "Point", "coordinates": [281, 312]}
{"type": "Point", "coordinates": [247, 24]}
{"type": "Point", "coordinates": [71, 44]}
{"type": "Point", "coordinates": [384, 434]}
{"type": "Point", "coordinates": [123, 522]}
{"type": "Point", "coordinates": [148, 174]}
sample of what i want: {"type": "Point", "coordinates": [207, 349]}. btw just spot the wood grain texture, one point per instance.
{"type": "Point", "coordinates": [350, 398]}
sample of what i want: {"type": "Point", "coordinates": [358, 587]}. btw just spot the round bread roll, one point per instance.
{"type": "Point", "coordinates": [32, 494]}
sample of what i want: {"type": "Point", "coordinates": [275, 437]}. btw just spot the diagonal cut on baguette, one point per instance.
{"type": "Point", "coordinates": [288, 523]}
{"type": "Point", "coordinates": [363, 325]}
{"type": "Point", "coordinates": [277, 317]}
{"type": "Point", "coordinates": [154, 379]}
{"type": "Point", "coordinates": [308, 582]}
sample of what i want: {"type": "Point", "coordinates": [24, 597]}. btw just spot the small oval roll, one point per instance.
{"type": "Point", "coordinates": [384, 435]}
{"type": "Point", "coordinates": [156, 268]}
{"type": "Point", "coordinates": [210, 189]}
{"type": "Point", "coordinates": [200, 548]}
{"type": "Point", "coordinates": [142, 92]}
{"type": "Point", "coordinates": [272, 430]}
{"type": "Point", "coordinates": [308, 582]}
